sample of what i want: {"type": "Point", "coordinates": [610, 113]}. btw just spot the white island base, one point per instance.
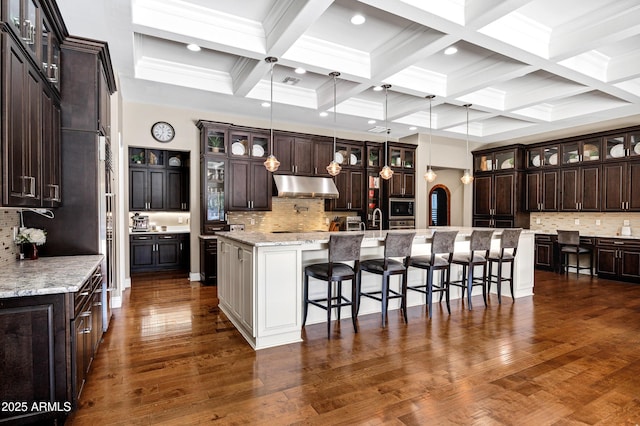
{"type": "Point", "coordinates": [260, 279]}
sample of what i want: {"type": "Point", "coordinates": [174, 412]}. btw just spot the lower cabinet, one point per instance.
{"type": "Point", "coordinates": [235, 284]}
{"type": "Point", "coordinates": [618, 259]}
{"type": "Point", "coordinates": [209, 261]}
{"type": "Point", "coordinates": [545, 252]}
{"type": "Point", "coordinates": [158, 252]}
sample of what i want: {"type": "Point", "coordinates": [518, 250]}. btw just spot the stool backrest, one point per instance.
{"type": "Point", "coordinates": [345, 247]}
{"type": "Point", "coordinates": [509, 240]}
{"type": "Point", "coordinates": [443, 242]}
{"type": "Point", "coordinates": [568, 237]}
{"type": "Point", "coordinates": [481, 240]}
{"type": "Point", "coordinates": [398, 244]}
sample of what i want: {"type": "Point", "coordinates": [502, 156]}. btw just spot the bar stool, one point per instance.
{"type": "Point", "coordinates": [569, 243]}
{"type": "Point", "coordinates": [442, 244]}
{"type": "Point", "coordinates": [479, 247]}
{"type": "Point", "coordinates": [396, 244]}
{"type": "Point", "coordinates": [507, 254]}
{"type": "Point", "coordinates": [342, 248]}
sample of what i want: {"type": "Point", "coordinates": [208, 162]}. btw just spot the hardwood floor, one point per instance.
{"type": "Point", "coordinates": [570, 355]}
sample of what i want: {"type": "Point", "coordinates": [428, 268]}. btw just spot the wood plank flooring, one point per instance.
{"type": "Point", "coordinates": [570, 355]}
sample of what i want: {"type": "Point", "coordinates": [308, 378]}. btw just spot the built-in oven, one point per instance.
{"type": "Point", "coordinates": [402, 213]}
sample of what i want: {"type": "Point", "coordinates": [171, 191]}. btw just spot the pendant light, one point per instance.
{"type": "Point", "coordinates": [466, 177]}
{"type": "Point", "coordinates": [334, 167]}
{"type": "Point", "coordinates": [386, 171]}
{"type": "Point", "coordinates": [430, 175]}
{"type": "Point", "coordinates": [271, 163]}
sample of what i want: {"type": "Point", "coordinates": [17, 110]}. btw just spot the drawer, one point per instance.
{"type": "Point", "coordinates": [163, 237]}
{"type": "Point", "coordinates": [141, 237]}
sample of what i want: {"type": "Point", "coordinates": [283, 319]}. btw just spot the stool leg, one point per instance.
{"type": "Point", "coordinates": [577, 264]}
{"type": "Point", "coordinates": [385, 298]}
{"type": "Point", "coordinates": [489, 277]}
{"type": "Point", "coordinates": [430, 290]}
{"type": "Point", "coordinates": [484, 283]}
{"type": "Point", "coordinates": [354, 298]}
{"type": "Point", "coordinates": [441, 277]}
{"type": "Point", "coordinates": [358, 285]}
{"type": "Point", "coordinates": [305, 291]}
{"type": "Point", "coordinates": [329, 306]}
{"type": "Point", "coordinates": [591, 262]}
{"type": "Point", "coordinates": [446, 282]}
{"type": "Point", "coordinates": [499, 282]}
{"type": "Point", "coordinates": [403, 299]}
{"type": "Point", "coordinates": [469, 284]}
{"type": "Point", "coordinates": [513, 297]}
{"type": "Point", "coordinates": [339, 300]}
{"type": "Point", "coordinates": [463, 284]}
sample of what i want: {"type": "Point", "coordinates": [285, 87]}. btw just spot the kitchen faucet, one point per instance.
{"type": "Point", "coordinates": [376, 212]}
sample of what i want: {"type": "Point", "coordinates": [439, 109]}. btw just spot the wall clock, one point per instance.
{"type": "Point", "coordinates": [162, 131]}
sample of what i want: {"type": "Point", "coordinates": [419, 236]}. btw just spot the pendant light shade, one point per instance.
{"type": "Point", "coordinates": [430, 175]}
{"type": "Point", "coordinates": [467, 178]}
{"type": "Point", "coordinates": [334, 167]}
{"type": "Point", "coordinates": [271, 163]}
{"type": "Point", "coordinates": [386, 171]}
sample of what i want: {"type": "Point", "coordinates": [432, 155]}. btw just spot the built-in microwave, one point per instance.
{"type": "Point", "coordinates": [401, 208]}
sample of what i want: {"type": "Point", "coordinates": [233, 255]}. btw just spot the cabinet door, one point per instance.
{"type": "Point", "coordinates": [246, 295]}
{"type": "Point", "coordinates": [156, 190]}
{"type": "Point", "coordinates": [342, 184]}
{"type": "Point", "coordinates": [168, 248]}
{"type": "Point", "coordinates": [175, 189]}
{"type": "Point", "coordinates": [283, 150]}
{"type": "Point", "coordinates": [322, 156]}
{"type": "Point", "coordinates": [630, 264]}
{"type": "Point", "coordinates": [142, 253]}
{"type": "Point", "coordinates": [261, 187]}
{"type": "Point", "coordinates": [570, 189]}
{"type": "Point", "coordinates": [482, 196]}
{"type": "Point", "coordinates": [504, 195]}
{"type": "Point", "coordinates": [590, 188]}
{"type": "Point", "coordinates": [51, 180]}
{"type": "Point", "coordinates": [409, 184]}
{"type": "Point", "coordinates": [239, 194]}
{"type": "Point", "coordinates": [549, 196]}
{"type": "Point", "coordinates": [356, 183]}
{"type": "Point", "coordinates": [137, 189]}
{"type": "Point", "coordinates": [544, 255]}
{"type": "Point", "coordinates": [303, 157]}
{"type": "Point", "coordinates": [606, 260]}
{"type": "Point", "coordinates": [532, 196]}
{"type": "Point", "coordinates": [396, 185]}
{"type": "Point", "coordinates": [613, 176]}
{"type": "Point", "coordinates": [634, 189]}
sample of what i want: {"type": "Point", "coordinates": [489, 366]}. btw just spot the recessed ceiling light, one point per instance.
{"type": "Point", "coordinates": [371, 121]}
{"type": "Point", "coordinates": [377, 88]}
{"type": "Point", "coordinates": [193, 47]}
{"type": "Point", "coordinates": [324, 114]}
{"type": "Point", "coordinates": [412, 128]}
{"type": "Point", "coordinates": [266, 104]}
{"type": "Point", "coordinates": [300, 71]}
{"type": "Point", "coordinates": [358, 19]}
{"type": "Point", "coordinates": [451, 50]}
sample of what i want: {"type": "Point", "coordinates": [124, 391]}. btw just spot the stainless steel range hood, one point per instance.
{"type": "Point", "coordinates": [305, 187]}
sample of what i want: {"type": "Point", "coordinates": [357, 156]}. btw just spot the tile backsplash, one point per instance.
{"type": "Point", "coordinates": [605, 224]}
{"type": "Point", "coordinates": [8, 249]}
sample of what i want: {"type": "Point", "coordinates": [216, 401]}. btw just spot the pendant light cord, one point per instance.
{"type": "Point", "coordinates": [386, 122]}
{"type": "Point", "coordinates": [271, 109]}
{"type": "Point", "coordinates": [335, 75]}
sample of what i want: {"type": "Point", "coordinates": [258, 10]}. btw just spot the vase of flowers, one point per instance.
{"type": "Point", "coordinates": [29, 239]}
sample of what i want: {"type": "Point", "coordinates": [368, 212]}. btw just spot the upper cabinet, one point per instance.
{"type": "Point", "coordinates": [504, 159]}
{"type": "Point", "coordinates": [349, 154]}
{"type": "Point", "coordinates": [247, 144]}
{"type": "Point", "coordinates": [622, 146]}
{"type": "Point", "coordinates": [295, 155]}
{"type": "Point", "coordinates": [577, 152]}
{"type": "Point", "coordinates": [542, 156]}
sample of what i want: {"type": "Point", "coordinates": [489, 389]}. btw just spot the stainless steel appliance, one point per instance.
{"type": "Point", "coordinates": [350, 223]}
{"type": "Point", "coordinates": [140, 223]}
{"type": "Point", "coordinates": [402, 224]}
{"type": "Point", "coordinates": [402, 213]}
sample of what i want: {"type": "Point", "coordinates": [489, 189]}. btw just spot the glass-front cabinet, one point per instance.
{"type": "Point", "coordinates": [146, 157]}
{"type": "Point", "coordinates": [580, 151]}
{"type": "Point", "coordinates": [542, 156]}
{"type": "Point", "coordinates": [214, 176]}
{"type": "Point", "coordinates": [22, 17]}
{"type": "Point", "coordinates": [349, 155]}
{"type": "Point", "coordinates": [622, 146]}
{"type": "Point", "coordinates": [215, 141]}
{"type": "Point", "coordinates": [495, 161]}
{"type": "Point", "coordinates": [374, 152]}
{"type": "Point", "coordinates": [249, 145]}
{"type": "Point", "coordinates": [50, 55]}
{"type": "Point", "coordinates": [401, 157]}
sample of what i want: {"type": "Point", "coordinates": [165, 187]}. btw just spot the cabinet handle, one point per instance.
{"type": "Point", "coordinates": [239, 253]}
{"type": "Point", "coordinates": [53, 69]}
{"type": "Point", "coordinates": [180, 246]}
{"type": "Point", "coordinates": [315, 170]}
{"type": "Point", "coordinates": [84, 314]}
{"type": "Point", "coordinates": [97, 304]}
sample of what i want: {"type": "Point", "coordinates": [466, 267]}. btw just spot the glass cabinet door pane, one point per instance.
{"type": "Point", "coordinates": [550, 155]}
{"type": "Point", "coordinates": [155, 157]}
{"type": "Point", "coordinates": [45, 48]}
{"type": "Point", "coordinates": [29, 25]}
{"type": "Point", "coordinates": [259, 146]}
{"type": "Point", "coordinates": [395, 157]}
{"type": "Point", "coordinates": [570, 153]}
{"type": "Point", "coordinates": [355, 156]}
{"type": "Point", "coordinates": [374, 157]}
{"type": "Point", "coordinates": [615, 147]}
{"type": "Point", "coordinates": [408, 159]}
{"type": "Point", "coordinates": [591, 150]}
{"type": "Point", "coordinates": [341, 155]}
{"type": "Point", "coordinates": [533, 158]}
{"type": "Point", "coordinates": [504, 160]}
{"type": "Point", "coordinates": [215, 190]}
{"type": "Point", "coordinates": [482, 163]}
{"type": "Point", "coordinates": [215, 142]}
{"type": "Point", "coordinates": [14, 15]}
{"type": "Point", "coordinates": [137, 156]}
{"type": "Point", "coordinates": [240, 144]}
{"type": "Point", "coordinates": [634, 144]}
{"type": "Point", "coordinates": [54, 59]}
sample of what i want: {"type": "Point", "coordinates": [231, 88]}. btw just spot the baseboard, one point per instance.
{"type": "Point", "coordinates": [194, 276]}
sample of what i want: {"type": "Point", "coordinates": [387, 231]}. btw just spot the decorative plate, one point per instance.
{"type": "Point", "coordinates": [636, 149]}
{"type": "Point", "coordinates": [536, 161]}
{"type": "Point", "coordinates": [353, 159]}
{"type": "Point", "coordinates": [339, 158]}
{"type": "Point", "coordinates": [553, 160]}
{"type": "Point", "coordinates": [175, 162]}
{"type": "Point", "coordinates": [237, 148]}
{"type": "Point", "coordinates": [257, 151]}
{"type": "Point", "coordinates": [617, 151]}
{"type": "Point", "coordinates": [506, 164]}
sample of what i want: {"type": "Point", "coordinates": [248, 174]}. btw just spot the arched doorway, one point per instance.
{"type": "Point", "coordinates": [439, 206]}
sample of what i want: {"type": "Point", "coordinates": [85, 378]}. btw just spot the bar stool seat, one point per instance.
{"type": "Point", "coordinates": [398, 245]}
{"type": "Point", "coordinates": [342, 248]}
{"type": "Point", "coordinates": [506, 255]}
{"type": "Point", "coordinates": [479, 247]}
{"type": "Point", "coordinates": [442, 245]}
{"type": "Point", "coordinates": [569, 243]}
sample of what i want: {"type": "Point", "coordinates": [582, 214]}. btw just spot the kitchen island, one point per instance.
{"type": "Point", "coordinates": [260, 278]}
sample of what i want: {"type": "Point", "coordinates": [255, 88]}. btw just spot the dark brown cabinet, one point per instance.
{"type": "Point", "coordinates": [402, 184]}
{"type": "Point", "coordinates": [618, 259]}
{"type": "Point", "coordinates": [619, 194]}
{"type": "Point", "coordinates": [322, 156]}
{"type": "Point", "coordinates": [545, 252]}
{"type": "Point", "coordinates": [542, 191]}
{"type": "Point", "coordinates": [295, 155]}
{"type": "Point", "coordinates": [208, 261]}
{"type": "Point", "coordinates": [580, 189]}
{"type": "Point", "coordinates": [401, 158]}
{"type": "Point", "coordinates": [350, 184]}
{"type": "Point", "coordinates": [250, 186]}
{"type": "Point", "coordinates": [156, 252]}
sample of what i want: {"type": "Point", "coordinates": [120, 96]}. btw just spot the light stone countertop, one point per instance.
{"type": "Point", "coordinates": [170, 230]}
{"type": "Point", "coordinates": [263, 239]}
{"type": "Point", "coordinates": [46, 275]}
{"type": "Point", "coordinates": [590, 235]}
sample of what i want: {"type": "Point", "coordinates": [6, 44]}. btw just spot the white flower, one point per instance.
{"type": "Point", "coordinates": [31, 235]}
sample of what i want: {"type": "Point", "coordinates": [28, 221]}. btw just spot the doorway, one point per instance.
{"type": "Point", "coordinates": [439, 206]}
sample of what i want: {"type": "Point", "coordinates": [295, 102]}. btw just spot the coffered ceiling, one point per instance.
{"type": "Point", "coordinates": [530, 68]}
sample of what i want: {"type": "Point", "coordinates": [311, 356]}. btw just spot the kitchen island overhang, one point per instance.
{"type": "Point", "coordinates": [261, 278]}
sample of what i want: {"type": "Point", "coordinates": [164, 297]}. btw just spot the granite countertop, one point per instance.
{"type": "Point", "coordinates": [170, 230]}
{"type": "Point", "coordinates": [46, 275]}
{"type": "Point", "coordinates": [263, 239]}
{"type": "Point", "coordinates": [622, 237]}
